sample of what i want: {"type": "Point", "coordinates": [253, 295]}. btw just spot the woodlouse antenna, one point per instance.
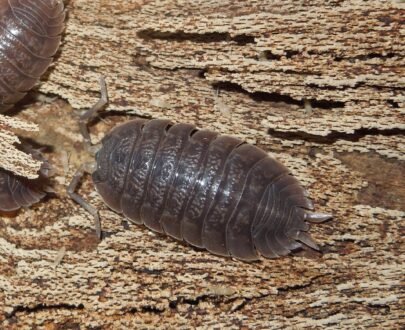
{"type": "Point", "coordinates": [84, 168]}
{"type": "Point", "coordinates": [84, 120]}
{"type": "Point", "coordinates": [90, 114]}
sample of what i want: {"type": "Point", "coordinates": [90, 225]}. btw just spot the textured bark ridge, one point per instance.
{"type": "Point", "coordinates": [319, 86]}
{"type": "Point", "coordinates": [11, 158]}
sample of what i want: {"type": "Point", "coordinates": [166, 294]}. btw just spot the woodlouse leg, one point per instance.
{"type": "Point", "coordinates": [84, 168]}
{"type": "Point", "coordinates": [91, 113]}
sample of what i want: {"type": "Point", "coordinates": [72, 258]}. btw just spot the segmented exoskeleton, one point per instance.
{"type": "Point", "coordinates": [17, 192]}
{"type": "Point", "coordinates": [29, 38]}
{"type": "Point", "coordinates": [213, 191]}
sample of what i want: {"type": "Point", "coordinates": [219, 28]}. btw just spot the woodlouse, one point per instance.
{"type": "Point", "coordinates": [17, 192]}
{"type": "Point", "coordinates": [29, 38]}
{"type": "Point", "coordinates": [212, 191]}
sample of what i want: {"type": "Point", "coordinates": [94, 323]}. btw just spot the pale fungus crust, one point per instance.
{"type": "Point", "coordinates": [160, 59]}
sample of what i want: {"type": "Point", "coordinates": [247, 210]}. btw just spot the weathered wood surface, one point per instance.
{"type": "Point", "coordinates": [320, 86]}
{"type": "Point", "coordinates": [13, 159]}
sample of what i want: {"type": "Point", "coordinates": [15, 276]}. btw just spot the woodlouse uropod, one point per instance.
{"type": "Point", "coordinates": [212, 191]}
{"type": "Point", "coordinates": [29, 38]}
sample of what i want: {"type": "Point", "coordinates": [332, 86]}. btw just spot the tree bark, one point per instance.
{"type": "Point", "coordinates": [317, 84]}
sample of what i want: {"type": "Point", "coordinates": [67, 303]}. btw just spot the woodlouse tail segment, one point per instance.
{"type": "Point", "coordinates": [301, 235]}
{"type": "Point", "coordinates": [282, 224]}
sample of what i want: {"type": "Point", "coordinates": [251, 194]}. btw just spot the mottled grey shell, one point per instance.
{"type": "Point", "coordinates": [29, 37]}
{"type": "Point", "coordinates": [17, 192]}
{"type": "Point", "coordinates": [212, 191]}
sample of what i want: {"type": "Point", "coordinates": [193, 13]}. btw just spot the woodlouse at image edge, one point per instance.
{"type": "Point", "coordinates": [16, 192]}
{"type": "Point", "coordinates": [29, 38]}
{"type": "Point", "coordinates": [212, 191]}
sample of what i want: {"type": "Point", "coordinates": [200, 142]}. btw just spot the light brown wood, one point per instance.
{"type": "Point", "coordinates": [320, 86]}
{"type": "Point", "coordinates": [11, 158]}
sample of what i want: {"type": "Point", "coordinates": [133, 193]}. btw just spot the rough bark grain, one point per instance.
{"type": "Point", "coordinates": [318, 84]}
{"type": "Point", "coordinates": [11, 158]}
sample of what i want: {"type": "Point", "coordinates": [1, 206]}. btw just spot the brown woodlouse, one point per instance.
{"type": "Point", "coordinates": [212, 191]}
{"type": "Point", "coordinates": [17, 192]}
{"type": "Point", "coordinates": [29, 38]}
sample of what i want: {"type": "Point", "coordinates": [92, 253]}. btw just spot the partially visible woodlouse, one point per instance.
{"type": "Point", "coordinates": [212, 191]}
{"type": "Point", "coordinates": [17, 192]}
{"type": "Point", "coordinates": [29, 38]}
